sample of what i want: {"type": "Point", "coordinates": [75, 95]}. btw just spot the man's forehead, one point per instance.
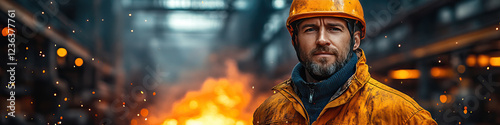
{"type": "Point", "coordinates": [317, 20]}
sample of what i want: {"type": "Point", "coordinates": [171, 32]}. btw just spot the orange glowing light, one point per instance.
{"type": "Point", "coordinates": [154, 93]}
{"type": "Point", "coordinates": [439, 72]}
{"type": "Point", "coordinates": [93, 92]}
{"type": "Point", "coordinates": [144, 112]}
{"type": "Point", "coordinates": [483, 60]}
{"type": "Point", "coordinates": [471, 60]}
{"type": "Point", "coordinates": [61, 52]}
{"type": "Point", "coordinates": [495, 61]}
{"type": "Point", "coordinates": [78, 62]}
{"type": "Point", "coordinates": [443, 98]}
{"type": "Point", "coordinates": [5, 31]}
{"type": "Point", "coordinates": [133, 122]}
{"type": "Point", "coordinates": [220, 101]}
{"type": "Point", "coordinates": [405, 74]}
{"type": "Point", "coordinates": [170, 122]}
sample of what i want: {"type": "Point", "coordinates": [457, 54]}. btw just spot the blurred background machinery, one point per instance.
{"type": "Point", "coordinates": [140, 61]}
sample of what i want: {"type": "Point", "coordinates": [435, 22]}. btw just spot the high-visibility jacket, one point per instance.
{"type": "Point", "coordinates": [361, 100]}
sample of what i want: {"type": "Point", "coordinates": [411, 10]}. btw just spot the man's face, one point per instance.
{"type": "Point", "coordinates": [324, 44]}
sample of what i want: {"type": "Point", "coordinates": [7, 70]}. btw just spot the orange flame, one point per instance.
{"type": "Point", "coordinates": [221, 101]}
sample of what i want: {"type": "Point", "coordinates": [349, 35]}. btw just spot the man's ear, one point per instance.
{"type": "Point", "coordinates": [357, 40]}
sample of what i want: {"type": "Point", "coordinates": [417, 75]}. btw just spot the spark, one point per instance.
{"type": "Point", "coordinates": [55, 94]}
{"type": "Point", "coordinates": [48, 27]}
{"type": "Point", "coordinates": [129, 14]}
{"type": "Point", "coordinates": [385, 36]}
{"type": "Point", "coordinates": [102, 20]}
{"type": "Point", "coordinates": [439, 61]}
{"type": "Point", "coordinates": [145, 20]}
{"type": "Point", "coordinates": [73, 31]}
{"type": "Point", "coordinates": [131, 31]}
{"type": "Point", "coordinates": [43, 12]}
{"type": "Point", "coordinates": [399, 45]}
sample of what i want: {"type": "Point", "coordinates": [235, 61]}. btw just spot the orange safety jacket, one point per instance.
{"type": "Point", "coordinates": [361, 100]}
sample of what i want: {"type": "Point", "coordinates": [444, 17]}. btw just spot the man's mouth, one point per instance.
{"type": "Point", "coordinates": [322, 53]}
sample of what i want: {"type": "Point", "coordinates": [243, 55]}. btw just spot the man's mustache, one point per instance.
{"type": "Point", "coordinates": [334, 51]}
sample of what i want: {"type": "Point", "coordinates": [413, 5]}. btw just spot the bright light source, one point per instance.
{"type": "Point", "coordinates": [405, 74]}
{"type": "Point", "coordinates": [278, 4]}
{"type": "Point", "coordinates": [194, 4]}
{"type": "Point", "coordinates": [495, 61]}
{"type": "Point", "coordinates": [471, 60]}
{"type": "Point", "coordinates": [240, 4]}
{"type": "Point", "coordinates": [438, 72]}
{"type": "Point", "coordinates": [483, 60]}
{"type": "Point", "coordinates": [189, 21]}
{"type": "Point", "coordinates": [78, 61]}
{"type": "Point", "coordinates": [61, 52]}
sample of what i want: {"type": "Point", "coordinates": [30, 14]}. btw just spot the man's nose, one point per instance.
{"type": "Point", "coordinates": [322, 38]}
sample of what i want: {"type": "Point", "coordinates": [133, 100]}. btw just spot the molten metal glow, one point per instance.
{"type": "Point", "coordinates": [222, 101]}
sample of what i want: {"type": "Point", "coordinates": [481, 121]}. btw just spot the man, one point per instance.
{"type": "Point", "coordinates": [331, 83]}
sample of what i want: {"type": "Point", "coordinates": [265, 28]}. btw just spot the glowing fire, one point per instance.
{"type": "Point", "coordinates": [221, 101]}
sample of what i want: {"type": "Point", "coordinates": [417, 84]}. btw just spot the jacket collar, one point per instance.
{"type": "Point", "coordinates": [360, 78]}
{"type": "Point", "coordinates": [325, 89]}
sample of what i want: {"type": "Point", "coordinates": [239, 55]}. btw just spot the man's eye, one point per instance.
{"type": "Point", "coordinates": [335, 29]}
{"type": "Point", "coordinates": [309, 30]}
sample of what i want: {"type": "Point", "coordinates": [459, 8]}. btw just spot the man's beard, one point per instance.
{"type": "Point", "coordinates": [323, 70]}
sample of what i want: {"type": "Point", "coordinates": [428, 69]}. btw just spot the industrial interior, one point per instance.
{"type": "Point", "coordinates": [194, 62]}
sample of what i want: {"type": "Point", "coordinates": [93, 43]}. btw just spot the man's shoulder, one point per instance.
{"type": "Point", "coordinates": [388, 101]}
{"type": "Point", "coordinates": [390, 95]}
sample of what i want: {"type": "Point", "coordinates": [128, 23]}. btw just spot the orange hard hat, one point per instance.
{"type": "Point", "coordinates": [350, 9]}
